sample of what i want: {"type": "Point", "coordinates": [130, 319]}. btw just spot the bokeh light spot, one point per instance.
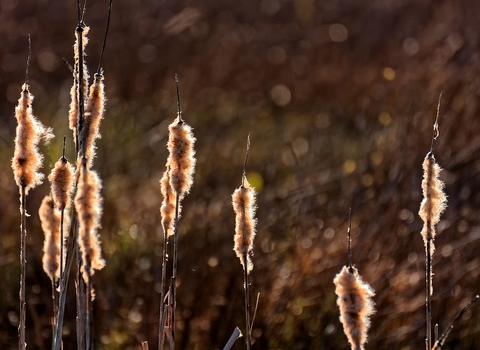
{"type": "Point", "coordinates": [385, 118]}
{"type": "Point", "coordinates": [338, 32]}
{"type": "Point", "coordinates": [388, 74]}
{"type": "Point", "coordinates": [281, 95]}
{"type": "Point", "coordinates": [411, 46]}
{"type": "Point", "coordinates": [349, 166]}
{"type": "Point", "coordinates": [255, 180]}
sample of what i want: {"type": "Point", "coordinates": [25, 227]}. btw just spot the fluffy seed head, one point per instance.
{"type": "Point", "coordinates": [243, 200]}
{"type": "Point", "coordinates": [356, 305]}
{"type": "Point", "coordinates": [167, 210]}
{"type": "Point", "coordinates": [61, 179]}
{"type": "Point", "coordinates": [50, 219]}
{"type": "Point", "coordinates": [434, 199]}
{"type": "Point", "coordinates": [27, 159]}
{"type": "Point", "coordinates": [93, 116]}
{"type": "Point", "coordinates": [88, 204]}
{"type": "Point", "coordinates": [181, 160]}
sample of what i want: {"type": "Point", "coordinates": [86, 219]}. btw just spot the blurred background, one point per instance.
{"type": "Point", "coordinates": [339, 96]}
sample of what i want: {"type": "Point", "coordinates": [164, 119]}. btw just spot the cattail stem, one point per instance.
{"type": "Point", "coordinates": [233, 338]}
{"type": "Point", "coordinates": [161, 319]}
{"type": "Point", "coordinates": [428, 303]}
{"type": "Point", "coordinates": [88, 338]}
{"type": "Point", "coordinates": [81, 310]}
{"type": "Point", "coordinates": [175, 266]}
{"type": "Point", "coordinates": [23, 261]}
{"type": "Point", "coordinates": [247, 302]}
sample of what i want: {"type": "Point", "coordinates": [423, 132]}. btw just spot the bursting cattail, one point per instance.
{"type": "Point", "coordinates": [27, 159]}
{"type": "Point", "coordinates": [61, 179]}
{"type": "Point", "coordinates": [356, 305]}
{"type": "Point", "coordinates": [243, 200]}
{"type": "Point", "coordinates": [93, 115]}
{"type": "Point", "coordinates": [181, 160]}
{"type": "Point", "coordinates": [50, 219]}
{"type": "Point", "coordinates": [81, 42]}
{"type": "Point", "coordinates": [88, 204]}
{"type": "Point", "coordinates": [434, 200]}
{"type": "Point", "coordinates": [167, 210]}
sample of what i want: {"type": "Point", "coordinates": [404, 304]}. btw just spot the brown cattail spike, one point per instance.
{"type": "Point", "coordinates": [61, 179]}
{"type": "Point", "coordinates": [27, 159]}
{"type": "Point", "coordinates": [243, 200]}
{"type": "Point", "coordinates": [434, 199]}
{"type": "Point", "coordinates": [93, 116]}
{"type": "Point", "coordinates": [50, 219]}
{"type": "Point", "coordinates": [88, 204]}
{"type": "Point", "coordinates": [356, 305]}
{"type": "Point", "coordinates": [182, 156]}
{"type": "Point", "coordinates": [167, 210]}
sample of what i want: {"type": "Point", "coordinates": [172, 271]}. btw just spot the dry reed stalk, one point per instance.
{"type": "Point", "coordinates": [432, 206]}
{"type": "Point", "coordinates": [356, 305]}
{"type": "Point", "coordinates": [26, 162]}
{"type": "Point", "coordinates": [243, 201]}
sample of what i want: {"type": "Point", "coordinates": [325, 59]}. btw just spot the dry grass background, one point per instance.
{"type": "Point", "coordinates": [348, 87]}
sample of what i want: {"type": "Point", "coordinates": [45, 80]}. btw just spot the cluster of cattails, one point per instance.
{"type": "Point", "coordinates": [175, 183]}
{"type": "Point", "coordinates": [85, 114]}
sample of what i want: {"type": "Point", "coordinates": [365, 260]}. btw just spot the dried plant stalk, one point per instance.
{"type": "Point", "coordinates": [356, 305]}
{"type": "Point", "coordinates": [243, 200]}
{"type": "Point", "coordinates": [88, 204]}
{"type": "Point", "coordinates": [27, 159]}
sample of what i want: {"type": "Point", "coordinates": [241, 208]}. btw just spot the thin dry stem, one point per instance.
{"type": "Point", "coordinates": [356, 305]}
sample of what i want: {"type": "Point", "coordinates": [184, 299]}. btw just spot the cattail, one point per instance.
{"type": "Point", "coordinates": [88, 204]}
{"type": "Point", "coordinates": [27, 159]}
{"type": "Point", "coordinates": [61, 178]}
{"type": "Point", "coordinates": [182, 156]}
{"type": "Point", "coordinates": [79, 53]}
{"type": "Point", "coordinates": [93, 115]}
{"type": "Point", "coordinates": [50, 219]}
{"type": "Point", "coordinates": [434, 200]}
{"type": "Point", "coordinates": [356, 305]}
{"type": "Point", "coordinates": [167, 210]}
{"type": "Point", "coordinates": [243, 200]}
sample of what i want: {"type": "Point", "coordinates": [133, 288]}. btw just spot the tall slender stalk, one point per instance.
{"type": "Point", "coordinates": [247, 303]}
{"type": "Point", "coordinates": [175, 267]}
{"type": "Point", "coordinates": [21, 327]}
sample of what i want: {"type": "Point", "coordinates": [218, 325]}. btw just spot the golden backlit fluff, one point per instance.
{"type": "Point", "coordinates": [61, 179]}
{"type": "Point", "coordinates": [27, 159]}
{"type": "Point", "coordinates": [356, 305]}
{"type": "Point", "coordinates": [243, 200]}
{"type": "Point", "coordinates": [88, 204]}
{"type": "Point", "coordinates": [167, 210]}
{"type": "Point", "coordinates": [181, 159]}
{"type": "Point", "coordinates": [50, 220]}
{"type": "Point", "coordinates": [434, 200]}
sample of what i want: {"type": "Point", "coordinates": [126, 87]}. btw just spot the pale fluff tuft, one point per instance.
{"type": "Point", "coordinates": [243, 200]}
{"type": "Point", "coordinates": [167, 210]}
{"type": "Point", "coordinates": [27, 159]}
{"type": "Point", "coordinates": [355, 304]}
{"type": "Point", "coordinates": [50, 220]}
{"type": "Point", "coordinates": [61, 179]}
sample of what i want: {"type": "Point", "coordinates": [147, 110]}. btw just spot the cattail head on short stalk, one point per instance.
{"type": "Point", "coordinates": [356, 305]}
{"type": "Point", "coordinates": [61, 178]}
{"type": "Point", "coordinates": [50, 219]}
{"type": "Point", "coordinates": [243, 200]}
{"type": "Point", "coordinates": [88, 204]}
{"type": "Point", "coordinates": [93, 115]}
{"type": "Point", "coordinates": [167, 210]}
{"type": "Point", "coordinates": [434, 199]}
{"type": "Point", "coordinates": [27, 159]}
{"type": "Point", "coordinates": [181, 160]}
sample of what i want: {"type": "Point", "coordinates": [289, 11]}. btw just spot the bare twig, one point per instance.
{"type": "Point", "coordinates": [233, 338]}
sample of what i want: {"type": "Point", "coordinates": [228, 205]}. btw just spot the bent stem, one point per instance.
{"type": "Point", "coordinates": [23, 260]}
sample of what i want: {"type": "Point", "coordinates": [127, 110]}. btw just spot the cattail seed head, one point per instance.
{"type": "Point", "coordinates": [88, 204]}
{"type": "Point", "coordinates": [93, 115]}
{"type": "Point", "coordinates": [243, 200]}
{"type": "Point", "coordinates": [434, 199]}
{"type": "Point", "coordinates": [50, 219]}
{"type": "Point", "coordinates": [181, 160]}
{"type": "Point", "coordinates": [167, 210]}
{"type": "Point", "coordinates": [356, 305]}
{"type": "Point", "coordinates": [27, 159]}
{"type": "Point", "coordinates": [61, 178]}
